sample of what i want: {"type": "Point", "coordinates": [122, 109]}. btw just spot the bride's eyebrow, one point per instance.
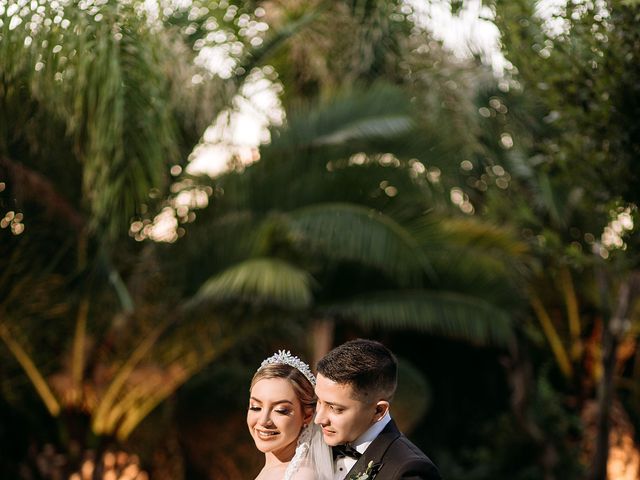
{"type": "Point", "coordinates": [275, 403]}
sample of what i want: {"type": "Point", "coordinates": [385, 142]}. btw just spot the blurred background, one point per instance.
{"type": "Point", "coordinates": [187, 186]}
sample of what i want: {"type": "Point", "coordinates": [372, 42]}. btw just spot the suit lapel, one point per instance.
{"type": "Point", "coordinates": [377, 449]}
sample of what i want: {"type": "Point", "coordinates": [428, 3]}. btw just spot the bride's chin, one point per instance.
{"type": "Point", "coordinates": [265, 444]}
{"type": "Point", "coordinates": [263, 448]}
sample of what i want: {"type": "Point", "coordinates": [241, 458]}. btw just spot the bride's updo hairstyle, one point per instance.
{"type": "Point", "coordinates": [301, 385]}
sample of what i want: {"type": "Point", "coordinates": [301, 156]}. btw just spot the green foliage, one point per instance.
{"type": "Point", "coordinates": [580, 85]}
{"type": "Point", "coordinates": [355, 120]}
{"type": "Point", "coordinates": [502, 446]}
{"type": "Point", "coordinates": [312, 206]}
{"type": "Point", "coordinates": [260, 280]}
{"type": "Point", "coordinates": [570, 170]}
{"type": "Point", "coordinates": [348, 43]}
{"type": "Point", "coordinates": [99, 100]}
{"type": "Point", "coordinates": [559, 169]}
{"type": "Point", "coordinates": [345, 217]}
{"type": "Point", "coordinates": [343, 232]}
{"type": "Point", "coordinates": [88, 83]}
{"type": "Point", "coordinates": [449, 314]}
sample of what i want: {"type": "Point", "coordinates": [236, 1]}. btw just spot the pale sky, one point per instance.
{"type": "Point", "coordinates": [471, 31]}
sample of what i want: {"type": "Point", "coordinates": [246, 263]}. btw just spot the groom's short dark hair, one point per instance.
{"type": "Point", "coordinates": [368, 366]}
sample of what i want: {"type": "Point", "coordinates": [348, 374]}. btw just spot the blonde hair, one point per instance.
{"type": "Point", "coordinates": [301, 385]}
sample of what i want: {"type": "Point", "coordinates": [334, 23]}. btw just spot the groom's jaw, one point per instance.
{"type": "Point", "coordinates": [329, 436]}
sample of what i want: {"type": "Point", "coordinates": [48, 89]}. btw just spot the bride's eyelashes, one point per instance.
{"type": "Point", "coordinates": [281, 411]}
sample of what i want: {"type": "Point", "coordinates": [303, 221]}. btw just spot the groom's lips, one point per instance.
{"type": "Point", "coordinates": [327, 432]}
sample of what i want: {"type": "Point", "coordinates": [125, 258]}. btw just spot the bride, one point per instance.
{"type": "Point", "coordinates": [280, 419]}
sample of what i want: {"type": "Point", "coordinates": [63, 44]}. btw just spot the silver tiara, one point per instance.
{"type": "Point", "coordinates": [285, 357]}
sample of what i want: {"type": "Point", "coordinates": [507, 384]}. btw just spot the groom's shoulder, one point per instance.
{"type": "Point", "coordinates": [404, 448]}
{"type": "Point", "coordinates": [410, 458]}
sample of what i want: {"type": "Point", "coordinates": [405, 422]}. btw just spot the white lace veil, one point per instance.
{"type": "Point", "coordinates": [320, 455]}
{"type": "Point", "coordinates": [313, 453]}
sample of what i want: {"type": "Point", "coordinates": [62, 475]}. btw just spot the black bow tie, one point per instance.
{"type": "Point", "coordinates": [345, 451]}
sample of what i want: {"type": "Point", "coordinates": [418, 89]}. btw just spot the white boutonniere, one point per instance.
{"type": "Point", "coordinates": [368, 474]}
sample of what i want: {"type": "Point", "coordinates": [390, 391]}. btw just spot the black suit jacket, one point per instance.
{"type": "Point", "coordinates": [394, 457]}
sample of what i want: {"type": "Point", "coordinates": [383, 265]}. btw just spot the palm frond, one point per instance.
{"type": "Point", "coordinates": [259, 281]}
{"type": "Point", "coordinates": [190, 346]}
{"type": "Point", "coordinates": [476, 257]}
{"type": "Point", "coordinates": [351, 232]}
{"type": "Point", "coordinates": [437, 312]}
{"type": "Point", "coordinates": [482, 235]}
{"type": "Point", "coordinates": [99, 76]}
{"type": "Point", "coordinates": [214, 243]}
{"type": "Point", "coordinates": [352, 119]}
{"type": "Point", "coordinates": [389, 126]}
{"type": "Point", "coordinates": [257, 55]}
{"type": "Point", "coordinates": [31, 371]}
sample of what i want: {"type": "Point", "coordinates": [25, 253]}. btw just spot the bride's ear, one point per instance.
{"type": "Point", "coordinates": [308, 416]}
{"type": "Point", "coordinates": [382, 407]}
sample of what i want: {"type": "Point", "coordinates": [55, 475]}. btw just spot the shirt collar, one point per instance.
{"type": "Point", "coordinates": [364, 440]}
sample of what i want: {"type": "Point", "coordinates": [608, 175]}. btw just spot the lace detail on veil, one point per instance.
{"type": "Point", "coordinates": [302, 449]}
{"type": "Point", "coordinates": [311, 451]}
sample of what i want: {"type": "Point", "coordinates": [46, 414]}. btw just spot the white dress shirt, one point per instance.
{"type": "Point", "coordinates": [342, 465]}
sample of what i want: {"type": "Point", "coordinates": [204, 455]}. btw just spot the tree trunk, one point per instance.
{"type": "Point", "coordinates": [613, 332]}
{"type": "Point", "coordinates": [520, 376]}
{"type": "Point", "coordinates": [322, 331]}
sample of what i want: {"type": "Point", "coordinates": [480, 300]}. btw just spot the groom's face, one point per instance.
{"type": "Point", "coordinates": [342, 416]}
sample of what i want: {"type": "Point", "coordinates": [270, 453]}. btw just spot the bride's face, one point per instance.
{"type": "Point", "coordinates": [275, 417]}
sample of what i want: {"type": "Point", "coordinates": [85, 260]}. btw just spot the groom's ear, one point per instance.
{"type": "Point", "coordinates": [382, 407]}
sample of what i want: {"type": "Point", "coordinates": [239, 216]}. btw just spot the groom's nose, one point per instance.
{"type": "Point", "coordinates": [321, 417]}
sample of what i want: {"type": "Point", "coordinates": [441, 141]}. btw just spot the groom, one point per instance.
{"type": "Point", "coordinates": [356, 382]}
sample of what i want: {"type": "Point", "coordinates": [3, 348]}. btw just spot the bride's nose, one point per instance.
{"type": "Point", "coordinates": [265, 419]}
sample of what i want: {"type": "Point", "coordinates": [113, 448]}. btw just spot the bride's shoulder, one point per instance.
{"type": "Point", "coordinates": [305, 472]}
{"type": "Point", "coordinates": [272, 473]}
